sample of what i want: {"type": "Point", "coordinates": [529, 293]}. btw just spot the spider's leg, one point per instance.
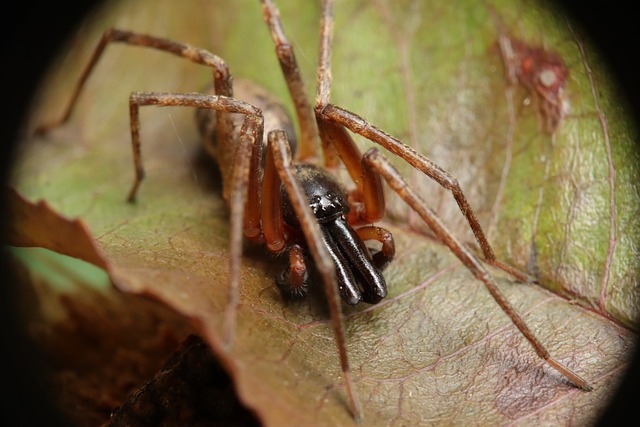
{"type": "Point", "coordinates": [400, 186]}
{"type": "Point", "coordinates": [385, 255]}
{"type": "Point", "coordinates": [293, 281]}
{"type": "Point", "coordinates": [369, 193]}
{"type": "Point", "coordinates": [323, 82]}
{"type": "Point", "coordinates": [244, 197]}
{"type": "Point", "coordinates": [313, 236]}
{"type": "Point", "coordinates": [221, 76]}
{"type": "Point", "coordinates": [164, 99]}
{"type": "Point", "coordinates": [244, 177]}
{"type": "Point", "coordinates": [271, 208]}
{"type": "Point", "coordinates": [326, 112]}
{"type": "Point", "coordinates": [221, 81]}
{"type": "Point", "coordinates": [291, 71]}
{"type": "Point", "coordinates": [360, 126]}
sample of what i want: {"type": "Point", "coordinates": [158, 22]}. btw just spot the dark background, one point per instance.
{"type": "Point", "coordinates": [32, 32]}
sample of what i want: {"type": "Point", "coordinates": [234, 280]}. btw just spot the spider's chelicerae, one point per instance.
{"type": "Point", "coordinates": [298, 207]}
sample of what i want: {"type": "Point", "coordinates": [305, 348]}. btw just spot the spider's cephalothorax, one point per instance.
{"type": "Point", "coordinates": [358, 274]}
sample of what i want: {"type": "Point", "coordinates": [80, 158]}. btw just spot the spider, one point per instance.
{"type": "Point", "coordinates": [298, 207]}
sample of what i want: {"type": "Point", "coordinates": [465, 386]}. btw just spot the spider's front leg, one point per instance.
{"type": "Point", "coordinates": [328, 113]}
{"type": "Point", "coordinates": [221, 75]}
{"type": "Point", "coordinates": [242, 181]}
{"type": "Point", "coordinates": [374, 158]}
{"type": "Point", "coordinates": [279, 148]}
{"type": "Point", "coordinates": [238, 153]}
{"type": "Point", "coordinates": [289, 65]}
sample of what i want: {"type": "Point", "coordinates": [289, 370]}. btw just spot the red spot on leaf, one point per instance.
{"type": "Point", "coordinates": [542, 72]}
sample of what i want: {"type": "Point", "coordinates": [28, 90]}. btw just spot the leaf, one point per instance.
{"type": "Point", "coordinates": [99, 344]}
{"type": "Point", "coordinates": [437, 350]}
{"type": "Point", "coordinates": [37, 225]}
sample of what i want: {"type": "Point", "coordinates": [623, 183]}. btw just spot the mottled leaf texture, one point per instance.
{"type": "Point", "coordinates": [562, 204]}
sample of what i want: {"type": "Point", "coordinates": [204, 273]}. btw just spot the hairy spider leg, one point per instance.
{"type": "Point", "coordinates": [336, 143]}
{"type": "Point", "coordinates": [404, 190]}
{"type": "Point", "coordinates": [331, 113]}
{"type": "Point", "coordinates": [309, 225]}
{"type": "Point", "coordinates": [295, 83]}
{"type": "Point", "coordinates": [235, 172]}
{"type": "Point", "coordinates": [243, 177]}
{"type": "Point", "coordinates": [221, 76]}
{"type": "Point", "coordinates": [221, 81]}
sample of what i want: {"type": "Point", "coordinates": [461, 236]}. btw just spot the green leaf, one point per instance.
{"type": "Point", "coordinates": [438, 349]}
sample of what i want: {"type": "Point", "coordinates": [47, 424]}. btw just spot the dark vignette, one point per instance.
{"type": "Point", "coordinates": [33, 32]}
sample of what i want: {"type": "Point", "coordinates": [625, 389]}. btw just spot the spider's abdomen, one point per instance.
{"type": "Point", "coordinates": [274, 114]}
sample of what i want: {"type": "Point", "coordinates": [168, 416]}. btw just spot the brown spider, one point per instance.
{"type": "Point", "coordinates": [298, 207]}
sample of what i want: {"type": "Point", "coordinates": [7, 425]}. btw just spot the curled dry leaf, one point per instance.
{"type": "Point", "coordinates": [39, 225]}
{"type": "Point", "coordinates": [438, 349]}
{"type": "Point", "coordinates": [99, 345]}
